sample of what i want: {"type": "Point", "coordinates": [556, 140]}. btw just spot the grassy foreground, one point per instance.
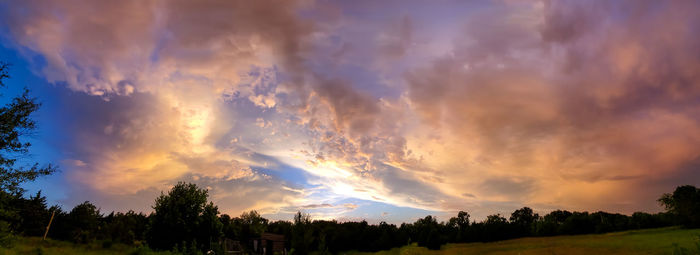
{"type": "Point", "coordinates": [34, 245]}
{"type": "Point", "coordinates": [671, 240]}
{"type": "Point", "coordinates": [651, 241]}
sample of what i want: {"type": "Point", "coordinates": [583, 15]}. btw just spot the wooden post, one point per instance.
{"type": "Point", "coordinates": [48, 226]}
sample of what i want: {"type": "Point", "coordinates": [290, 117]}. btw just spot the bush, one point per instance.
{"type": "Point", "coordinates": [141, 250]}
{"type": "Point", "coordinates": [7, 239]}
{"type": "Point", "coordinates": [106, 244]}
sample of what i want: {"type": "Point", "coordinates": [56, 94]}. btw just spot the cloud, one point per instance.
{"type": "Point", "coordinates": [568, 97]}
{"type": "Point", "coordinates": [349, 206]}
{"type": "Point", "coordinates": [510, 104]}
{"type": "Point", "coordinates": [511, 189]}
{"type": "Point", "coordinates": [160, 72]}
{"type": "Point", "coordinates": [74, 162]}
{"type": "Point", "coordinates": [397, 41]}
{"type": "Point", "coordinates": [314, 206]}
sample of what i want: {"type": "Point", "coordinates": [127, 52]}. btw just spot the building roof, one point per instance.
{"type": "Point", "coordinates": [272, 237]}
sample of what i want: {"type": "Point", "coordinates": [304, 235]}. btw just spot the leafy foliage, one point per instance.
{"type": "Point", "coordinates": [185, 222]}
{"type": "Point", "coordinates": [684, 203]}
{"type": "Point", "coordinates": [84, 219]}
{"type": "Point", "coordinates": [127, 228]}
{"type": "Point", "coordinates": [15, 123]}
{"type": "Point", "coordinates": [183, 217]}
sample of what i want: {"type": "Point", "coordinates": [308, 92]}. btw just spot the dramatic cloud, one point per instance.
{"type": "Point", "coordinates": [161, 71]}
{"type": "Point", "coordinates": [282, 106]}
{"type": "Point", "coordinates": [549, 101]}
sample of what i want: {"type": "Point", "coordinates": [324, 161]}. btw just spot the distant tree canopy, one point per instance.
{"type": "Point", "coordinates": [85, 220]}
{"type": "Point", "coordinates": [523, 220]}
{"type": "Point", "coordinates": [684, 203]}
{"type": "Point", "coordinates": [183, 219]}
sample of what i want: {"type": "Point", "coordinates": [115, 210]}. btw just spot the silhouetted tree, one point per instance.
{"type": "Point", "coordinates": [495, 227]}
{"type": "Point", "coordinates": [124, 227]}
{"type": "Point", "coordinates": [302, 233]}
{"type": "Point", "coordinates": [550, 224]}
{"type": "Point", "coordinates": [429, 233]}
{"type": "Point", "coordinates": [641, 220]}
{"type": "Point", "coordinates": [607, 222]}
{"type": "Point", "coordinates": [85, 221]}
{"type": "Point", "coordinates": [210, 228]}
{"type": "Point", "coordinates": [34, 215]}
{"type": "Point", "coordinates": [10, 217]}
{"type": "Point", "coordinates": [184, 221]}
{"type": "Point", "coordinates": [182, 217]}
{"type": "Point", "coordinates": [253, 225]}
{"type": "Point", "coordinates": [684, 202]}
{"type": "Point", "coordinates": [577, 223]}
{"type": "Point", "coordinates": [15, 122]}
{"type": "Point", "coordinates": [61, 227]}
{"type": "Point", "coordinates": [522, 219]}
{"type": "Point", "coordinates": [460, 224]}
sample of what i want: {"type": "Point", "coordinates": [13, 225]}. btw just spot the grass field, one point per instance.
{"type": "Point", "coordinates": [650, 241]}
{"type": "Point", "coordinates": [35, 246]}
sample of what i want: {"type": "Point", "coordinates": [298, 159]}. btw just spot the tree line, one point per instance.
{"type": "Point", "coordinates": [185, 221]}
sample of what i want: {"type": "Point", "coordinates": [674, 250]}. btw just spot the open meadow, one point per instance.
{"type": "Point", "coordinates": [36, 246]}
{"type": "Point", "coordinates": [671, 240]}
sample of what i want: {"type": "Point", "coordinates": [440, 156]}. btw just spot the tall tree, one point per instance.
{"type": "Point", "coordinates": [15, 123]}
{"type": "Point", "coordinates": [183, 218]}
{"type": "Point", "coordinates": [35, 215]}
{"type": "Point", "coordinates": [85, 221]}
{"type": "Point", "coordinates": [684, 203]}
{"type": "Point", "coordinates": [522, 219]}
{"type": "Point", "coordinates": [250, 225]}
{"type": "Point", "coordinates": [302, 233]}
{"type": "Point", "coordinates": [460, 224]}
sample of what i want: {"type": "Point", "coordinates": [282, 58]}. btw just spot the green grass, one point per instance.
{"type": "Point", "coordinates": [650, 241]}
{"type": "Point", "coordinates": [35, 246]}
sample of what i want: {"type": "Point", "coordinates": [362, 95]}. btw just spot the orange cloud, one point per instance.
{"type": "Point", "coordinates": [549, 104]}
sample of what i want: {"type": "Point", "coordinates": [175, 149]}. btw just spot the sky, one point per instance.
{"type": "Point", "coordinates": [352, 110]}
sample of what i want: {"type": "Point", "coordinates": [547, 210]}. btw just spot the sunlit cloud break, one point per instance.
{"type": "Point", "coordinates": [403, 107]}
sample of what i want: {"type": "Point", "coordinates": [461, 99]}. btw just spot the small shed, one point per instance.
{"type": "Point", "coordinates": [270, 244]}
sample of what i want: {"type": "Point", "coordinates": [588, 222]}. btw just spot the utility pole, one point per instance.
{"type": "Point", "coordinates": [48, 226]}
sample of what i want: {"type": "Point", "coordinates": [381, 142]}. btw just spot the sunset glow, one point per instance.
{"type": "Point", "coordinates": [376, 110]}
